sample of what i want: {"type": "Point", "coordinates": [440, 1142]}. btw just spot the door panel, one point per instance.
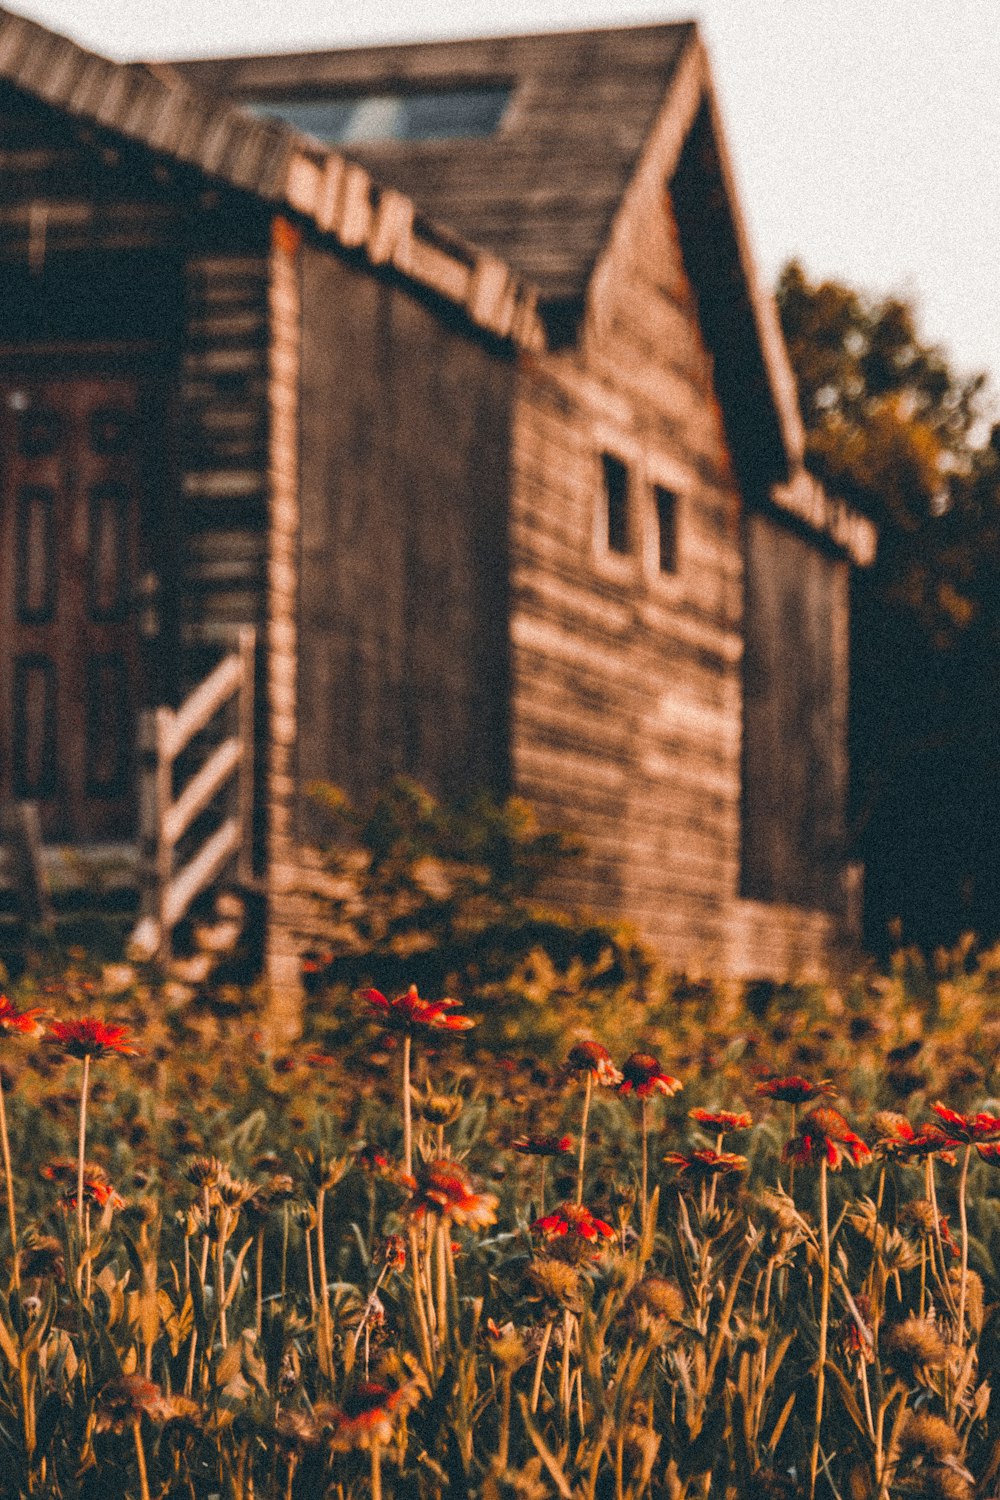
{"type": "Point", "coordinates": [69, 538]}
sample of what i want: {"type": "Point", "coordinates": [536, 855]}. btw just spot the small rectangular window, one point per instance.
{"type": "Point", "coordinates": [616, 496]}
{"type": "Point", "coordinates": [666, 524]}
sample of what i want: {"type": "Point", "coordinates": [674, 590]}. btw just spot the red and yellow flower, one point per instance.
{"type": "Point", "coordinates": [542, 1145]}
{"type": "Point", "coordinates": [408, 1012]}
{"type": "Point", "coordinates": [794, 1089]}
{"type": "Point", "coordinates": [443, 1187]}
{"type": "Point", "coordinates": [368, 1415]}
{"type": "Point", "coordinates": [967, 1129]}
{"type": "Point", "coordinates": [91, 1037]}
{"type": "Point", "coordinates": [704, 1163]}
{"type": "Point", "coordinates": [591, 1059]}
{"type": "Point", "coordinates": [574, 1221]}
{"type": "Point", "coordinates": [824, 1134]}
{"type": "Point", "coordinates": [642, 1073]}
{"type": "Point", "coordinates": [720, 1121]}
{"type": "Point", "coordinates": [20, 1022]}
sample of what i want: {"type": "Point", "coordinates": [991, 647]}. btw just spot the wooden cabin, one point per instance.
{"type": "Point", "coordinates": [417, 407]}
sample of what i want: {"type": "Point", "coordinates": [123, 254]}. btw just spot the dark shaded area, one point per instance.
{"type": "Point", "coordinates": [794, 770]}
{"type": "Point", "coordinates": [403, 646]}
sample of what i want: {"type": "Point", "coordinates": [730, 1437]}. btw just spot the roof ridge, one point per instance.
{"type": "Point", "coordinates": [158, 108]}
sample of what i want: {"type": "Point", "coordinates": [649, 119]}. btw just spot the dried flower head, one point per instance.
{"type": "Point", "coordinates": [443, 1187]}
{"type": "Point", "coordinates": [555, 1281]}
{"type": "Point", "coordinates": [824, 1134]}
{"type": "Point", "coordinates": [720, 1121]}
{"type": "Point", "coordinates": [929, 1436]}
{"type": "Point", "coordinates": [393, 1252]}
{"type": "Point", "coordinates": [542, 1145]}
{"type": "Point", "coordinates": [439, 1109]}
{"type": "Point", "coordinates": [915, 1344]}
{"type": "Point", "coordinates": [794, 1089]}
{"type": "Point", "coordinates": [91, 1037]}
{"type": "Point", "coordinates": [506, 1346]}
{"type": "Point", "coordinates": [407, 1012]}
{"type": "Point", "coordinates": [205, 1171]}
{"type": "Point", "coordinates": [975, 1296]}
{"type": "Point", "coordinates": [42, 1256]}
{"type": "Point", "coordinates": [657, 1297]}
{"type": "Point", "coordinates": [642, 1072]}
{"type": "Point", "coordinates": [918, 1215]}
{"type": "Point", "coordinates": [593, 1059]}
{"type": "Point", "coordinates": [374, 1159]}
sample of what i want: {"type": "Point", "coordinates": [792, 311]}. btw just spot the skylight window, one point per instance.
{"type": "Point", "coordinates": [435, 115]}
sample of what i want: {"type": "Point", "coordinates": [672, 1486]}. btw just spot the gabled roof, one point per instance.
{"type": "Point", "coordinates": [155, 108]}
{"type": "Point", "coordinates": [540, 192]}
{"type": "Point", "coordinates": [514, 237]}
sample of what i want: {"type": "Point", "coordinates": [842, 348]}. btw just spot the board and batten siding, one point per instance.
{"type": "Point", "coordinates": [627, 708]}
{"type": "Point", "coordinates": [403, 652]}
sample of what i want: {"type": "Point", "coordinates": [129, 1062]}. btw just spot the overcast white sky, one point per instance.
{"type": "Point", "coordinates": [865, 133]}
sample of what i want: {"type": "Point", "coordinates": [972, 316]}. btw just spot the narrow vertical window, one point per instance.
{"type": "Point", "coordinates": [616, 496]}
{"type": "Point", "coordinates": [666, 524]}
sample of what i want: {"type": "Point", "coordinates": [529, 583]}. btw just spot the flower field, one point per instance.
{"type": "Point", "coordinates": [708, 1242]}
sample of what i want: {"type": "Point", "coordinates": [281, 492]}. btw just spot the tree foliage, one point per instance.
{"type": "Point", "coordinates": [895, 430]}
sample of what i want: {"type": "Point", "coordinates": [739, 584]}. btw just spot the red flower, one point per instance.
{"type": "Point", "coordinates": [96, 1186]}
{"type": "Point", "coordinates": [706, 1164]}
{"type": "Point", "coordinates": [443, 1187]}
{"type": "Point", "coordinates": [905, 1144]}
{"type": "Point", "coordinates": [967, 1128]}
{"type": "Point", "coordinates": [824, 1133]}
{"type": "Point", "coordinates": [91, 1038]}
{"type": "Point", "coordinates": [24, 1022]}
{"type": "Point", "coordinates": [794, 1089]}
{"type": "Point", "coordinates": [368, 1415]}
{"type": "Point", "coordinates": [542, 1145]}
{"type": "Point", "coordinates": [575, 1220]}
{"type": "Point", "coordinates": [409, 1013]}
{"type": "Point", "coordinates": [592, 1058]}
{"type": "Point", "coordinates": [643, 1073]}
{"type": "Point", "coordinates": [373, 1159]}
{"type": "Point", "coordinates": [720, 1120]}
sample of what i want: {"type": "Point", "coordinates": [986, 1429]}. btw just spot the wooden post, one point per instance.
{"type": "Point", "coordinates": [21, 826]}
{"type": "Point", "coordinates": [245, 787]}
{"type": "Point", "coordinates": [156, 852]}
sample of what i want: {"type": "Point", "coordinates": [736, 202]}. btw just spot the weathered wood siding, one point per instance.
{"type": "Point", "coordinates": [404, 482]}
{"type": "Point", "coordinates": [795, 719]}
{"type": "Point", "coordinates": [627, 721]}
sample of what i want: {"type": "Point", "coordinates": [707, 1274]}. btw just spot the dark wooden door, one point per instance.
{"type": "Point", "coordinates": [69, 533]}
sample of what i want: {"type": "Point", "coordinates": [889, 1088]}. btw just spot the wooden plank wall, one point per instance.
{"type": "Point", "coordinates": [404, 478]}
{"type": "Point", "coordinates": [627, 717]}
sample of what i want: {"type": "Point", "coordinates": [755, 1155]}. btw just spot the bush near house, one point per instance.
{"type": "Point", "coordinates": [696, 1240]}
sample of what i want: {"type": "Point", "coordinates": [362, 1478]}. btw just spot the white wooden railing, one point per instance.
{"type": "Point", "coordinates": [166, 892]}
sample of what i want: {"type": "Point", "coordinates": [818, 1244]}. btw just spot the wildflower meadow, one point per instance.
{"type": "Point", "coordinates": [559, 1227]}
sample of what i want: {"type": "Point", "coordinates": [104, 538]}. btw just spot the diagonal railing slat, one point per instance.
{"type": "Point", "coordinates": [165, 733]}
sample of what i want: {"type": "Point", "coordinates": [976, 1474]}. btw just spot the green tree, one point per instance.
{"type": "Point", "coordinates": [897, 432]}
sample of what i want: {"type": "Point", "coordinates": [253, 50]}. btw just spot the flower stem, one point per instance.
{"type": "Point", "coordinates": [81, 1149]}
{"type": "Point", "coordinates": [824, 1318]}
{"type": "Point", "coordinates": [376, 1472]}
{"type": "Point", "coordinates": [325, 1337]}
{"type": "Point", "coordinates": [645, 1164]}
{"type": "Point", "coordinates": [9, 1180]}
{"type": "Point", "coordinates": [588, 1091]}
{"type": "Point", "coordinates": [140, 1458]}
{"type": "Point", "coordinates": [543, 1347]}
{"type": "Point", "coordinates": [964, 1223]}
{"type": "Point", "coordinates": [407, 1108]}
